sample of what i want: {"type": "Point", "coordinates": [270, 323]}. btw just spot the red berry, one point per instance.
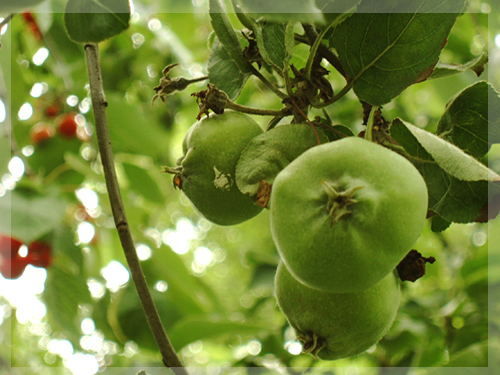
{"type": "Point", "coordinates": [39, 254]}
{"type": "Point", "coordinates": [52, 110]}
{"type": "Point", "coordinates": [12, 268]}
{"type": "Point", "coordinates": [41, 132]}
{"type": "Point", "coordinates": [67, 126]}
{"type": "Point", "coordinates": [9, 247]}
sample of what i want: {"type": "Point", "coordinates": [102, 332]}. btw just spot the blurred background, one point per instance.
{"type": "Point", "coordinates": [74, 309]}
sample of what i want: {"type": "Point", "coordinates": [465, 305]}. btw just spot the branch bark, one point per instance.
{"type": "Point", "coordinates": [99, 103]}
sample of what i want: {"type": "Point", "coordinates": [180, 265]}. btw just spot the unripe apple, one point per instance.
{"type": "Point", "coordinates": [337, 325]}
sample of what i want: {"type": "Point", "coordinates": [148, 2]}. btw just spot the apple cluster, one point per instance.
{"type": "Point", "coordinates": [344, 214]}
{"type": "Point", "coordinates": [13, 264]}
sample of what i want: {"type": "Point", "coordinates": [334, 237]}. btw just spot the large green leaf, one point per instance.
{"type": "Point", "coordinates": [28, 215]}
{"type": "Point", "coordinates": [224, 72]}
{"type": "Point", "coordinates": [457, 183]}
{"type": "Point", "coordinates": [472, 119]}
{"type": "Point", "coordinates": [383, 53]}
{"type": "Point", "coordinates": [92, 21]}
{"type": "Point", "coordinates": [226, 34]}
{"type": "Point", "coordinates": [271, 41]}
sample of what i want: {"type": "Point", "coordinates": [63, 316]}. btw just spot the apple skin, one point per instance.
{"type": "Point", "coordinates": [337, 325]}
{"type": "Point", "coordinates": [345, 213]}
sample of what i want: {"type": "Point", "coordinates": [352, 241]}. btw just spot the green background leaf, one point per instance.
{"type": "Point", "coordinates": [31, 214]}
{"type": "Point", "coordinates": [193, 329]}
{"type": "Point", "coordinates": [92, 21]}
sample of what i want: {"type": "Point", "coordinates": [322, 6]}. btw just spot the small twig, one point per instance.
{"type": "Point", "coordinates": [169, 356]}
{"type": "Point", "coordinates": [266, 82]}
{"type": "Point", "coordinates": [257, 111]}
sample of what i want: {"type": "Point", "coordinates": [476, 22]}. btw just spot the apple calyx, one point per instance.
{"type": "Point", "coordinates": [339, 202]}
{"type": "Point", "coordinates": [312, 344]}
{"type": "Point", "coordinates": [177, 172]}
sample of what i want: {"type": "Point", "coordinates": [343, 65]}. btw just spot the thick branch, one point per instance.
{"type": "Point", "coordinates": [169, 356]}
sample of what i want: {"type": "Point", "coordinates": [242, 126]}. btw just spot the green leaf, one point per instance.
{"type": "Point", "coordinates": [132, 321]}
{"type": "Point", "coordinates": [223, 71]}
{"type": "Point", "coordinates": [284, 10]}
{"type": "Point", "coordinates": [445, 70]}
{"type": "Point", "coordinates": [226, 34]}
{"type": "Point", "coordinates": [132, 129]}
{"type": "Point", "coordinates": [141, 182]}
{"type": "Point", "coordinates": [472, 119]}
{"type": "Point", "coordinates": [51, 153]}
{"type": "Point", "coordinates": [27, 215]}
{"type": "Point", "coordinates": [383, 53]}
{"type": "Point", "coordinates": [271, 40]}
{"type": "Point", "coordinates": [267, 154]}
{"type": "Point", "coordinates": [438, 224]}
{"type": "Point", "coordinates": [190, 292]}
{"type": "Point", "coordinates": [67, 255]}
{"type": "Point", "coordinates": [193, 329]}
{"type": "Point", "coordinates": [450, 158]}
{"type": "Point", "coordinates": [457, 183]}
{"type": "Point", "coordinates": [92, 21]}
{"type": "Point", "coordinates": [64, 292]}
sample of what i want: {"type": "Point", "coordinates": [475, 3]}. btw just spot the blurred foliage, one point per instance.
{"type": "Point", "coordinates": [213, 285]}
